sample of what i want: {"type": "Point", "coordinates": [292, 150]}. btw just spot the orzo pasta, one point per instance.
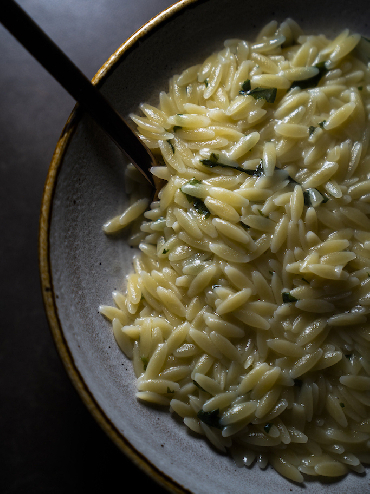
{"type": "Point", "coordinates": [247, 312]}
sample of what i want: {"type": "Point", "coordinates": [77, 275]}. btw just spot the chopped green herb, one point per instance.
{"type": "Point", "coordinates": [269, 94]}
{"type": "Point", "coordinates": [165, 251]}
{"type": "Point", "coordinates": [267, 427]}
{"type": "Point", "coordinates": [262, 214]}
{"type": "Point", "coordinates": [213, 162]}
{"type": "Point", "coordinates": [321, 124]}
{"type": "Point", "coordinates": [206, 82]}
{"type": "Point", "coordinates": [198, 204]}
{"type": "Point", "coordinates": [306, 198]}
{"type": "Point", "coordinates": [198, 385]}
{"type": "Point", "coordinates": [145, 361]}
{"type": "Point", "coordinates": [287, 298]}
{"type": "Point", "coordinates": [194, 181]}
{"type": "Point", "coordinates": [172, 146]}
{"type": "Point", "coordinates": [342, 404]}
{"type": "Point", "coordinates": [210, 418]}
{"type": "Point", "coordinates": [201, 208]}
{"type": "Point", "coordinates": [246, 86]}
{"type": "Point", "coordinates": [298, 382]}
{"type": "Point", "coordinates": [311, 81]}
{"type": "Point", "coordinates": [306, 281]}
{"type": "Point", "coordinates": [311, 129]}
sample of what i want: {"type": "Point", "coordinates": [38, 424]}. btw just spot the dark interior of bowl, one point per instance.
{"type": "Point", "coordinates": [86, 265]}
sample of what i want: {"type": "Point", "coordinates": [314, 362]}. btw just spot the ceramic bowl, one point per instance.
{"type": "Point", "coordinates": [80, 266]}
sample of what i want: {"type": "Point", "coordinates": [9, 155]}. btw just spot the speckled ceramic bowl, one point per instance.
{"type": "Point", "coordinates": [80, 266]}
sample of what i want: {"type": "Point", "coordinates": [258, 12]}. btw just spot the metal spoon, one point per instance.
{"type": "Point", "coordinates": [56, 62]}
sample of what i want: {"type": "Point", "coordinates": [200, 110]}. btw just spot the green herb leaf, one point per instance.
{"type": "Point", "coordinates": [194, 181]}
{"type": "Point", "coordinates": [306, 198]}
{"type": "Point", "coordinates": [145, 361]}
{"type": "Point", "coordinates": [311, 129]}
{"type": "Point", "coordinates": [210, 418]}
{"type": "Point", "coordinates": [287, 298]}
{"type": "Point", "coordinates": [269, 94]}
{"type": "Point", "coordinates": [321, 124]}
{"type": "Point", "coordinates": [188, 196]}
{"type": "Point", "coordinates": [246, 86]}
{"type": "Point", "coordinates": [311, 81]}
{"type": "Point", "coordinates": [200, 207]}
{"type": "Point", "coordinates": [165, 251]}
{"type": "Point", "coordinates": [198, 385]}
{"type": "Point", "coordinates": [212, 162]}
{"type": "Point", "coordinates": [198, 204]}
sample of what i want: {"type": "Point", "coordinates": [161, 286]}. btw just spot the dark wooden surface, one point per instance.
{"type": "Point", "coordinates": [48, 441]}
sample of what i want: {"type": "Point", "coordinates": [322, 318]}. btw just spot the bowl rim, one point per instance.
{"type": "Point", "coordinates": [45, 270]}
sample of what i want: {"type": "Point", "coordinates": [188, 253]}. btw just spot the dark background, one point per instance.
{"type": "Point", "coordinates": [48, 441]}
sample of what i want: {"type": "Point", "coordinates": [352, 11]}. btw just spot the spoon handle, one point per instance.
{"type": "Point", "coordinates": [56, 62]}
